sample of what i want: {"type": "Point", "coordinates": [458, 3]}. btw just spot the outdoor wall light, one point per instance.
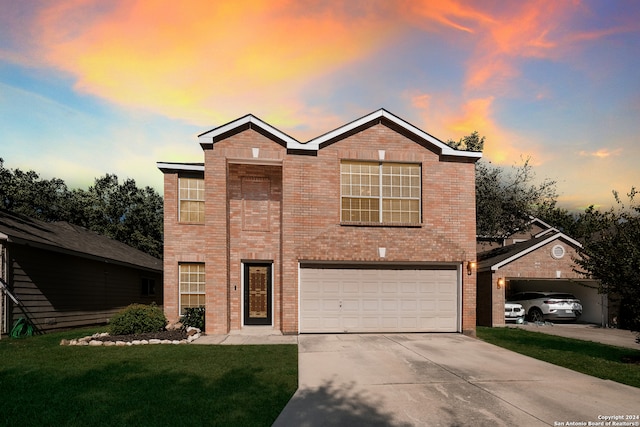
{"type": "Point", "coordinates": [471, 265]}
{"type": "Point", "coordinates": [500, 282]}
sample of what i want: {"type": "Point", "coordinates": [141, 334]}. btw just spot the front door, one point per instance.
{"type": "Point", "coordinates": [257, 294]}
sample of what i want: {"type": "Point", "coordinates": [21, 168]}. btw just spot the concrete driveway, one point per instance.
{"type": "Point", "coordinates": [442, 380]}
{"type": "Point", "coordinates": [585, 332]}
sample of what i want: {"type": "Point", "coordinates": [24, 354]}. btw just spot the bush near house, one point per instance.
{"type": "Point", "coordinates": [138, 319]}
{"type": "Point", "coordinates": [194, 317]}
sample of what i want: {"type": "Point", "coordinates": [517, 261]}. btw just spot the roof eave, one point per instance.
{"type": "Point", "coordinates": [173, 167]}
{"type": "Point", "coordinates": [530, 249]}
{"type": "Point", "coordinates": [208, 138]}
{"type": "Point", "coordinates": [84, 255]}
{"type": "Point", "coordinates": [444, 149]}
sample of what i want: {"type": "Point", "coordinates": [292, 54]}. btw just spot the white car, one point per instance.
{"type": "Point", "coordinates": [513, 312]}
{"type": "Point", "coordinates": [541, 306]}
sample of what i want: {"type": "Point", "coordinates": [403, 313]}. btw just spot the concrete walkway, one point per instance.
{"type": "Point", "coordinates": [442, 380]}
{"type": "Point", "coordinates": [254, 335]}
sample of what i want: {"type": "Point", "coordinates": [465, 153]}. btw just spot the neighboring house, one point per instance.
{"type": "Point", "coordinates": [539, 259]}
{"type": "Point", "coordinates": [67, 276]}
{"type": "Point", "coordinates": [367, 228]}
{"type": "Point", "coordinates": [535, 227]}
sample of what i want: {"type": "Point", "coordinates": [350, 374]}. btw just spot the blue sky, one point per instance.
{"type": "Point", "coordinates": [92, 87]}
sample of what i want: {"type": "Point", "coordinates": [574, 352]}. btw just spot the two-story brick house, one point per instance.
{"type": "Point", "coordinates": [368, 228]}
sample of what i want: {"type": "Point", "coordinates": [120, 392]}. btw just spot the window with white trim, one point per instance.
{"type": "Point", "coordinates": [380, 192]}
{"type": "Point", "coordinates": [191, 200]}
{"type": "Point", "coordinates": [192, 289]}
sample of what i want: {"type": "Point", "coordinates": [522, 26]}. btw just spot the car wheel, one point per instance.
{"type": "Point", "coordinates": [535, 315]}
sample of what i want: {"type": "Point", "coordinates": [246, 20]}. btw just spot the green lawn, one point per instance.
{"type": "Point", "coordinates": [598, 360]}
{"type": "Point", "coordinates": [43, 383]}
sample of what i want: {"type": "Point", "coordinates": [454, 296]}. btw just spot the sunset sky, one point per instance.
{"type": "Point", "coordinates": [89, 87]}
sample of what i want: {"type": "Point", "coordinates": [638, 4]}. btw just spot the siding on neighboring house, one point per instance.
{"type": "Point", "coordinates": [66, 276]}
{"type": "Point", "coordinates": [63, 291]}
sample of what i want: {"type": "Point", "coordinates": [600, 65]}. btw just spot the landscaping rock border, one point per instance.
{"type": "Point", "coordinates": [101, 339]}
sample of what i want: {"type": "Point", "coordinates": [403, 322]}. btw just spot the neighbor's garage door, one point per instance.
{"type": "Point", "coordinates": [378, 300]}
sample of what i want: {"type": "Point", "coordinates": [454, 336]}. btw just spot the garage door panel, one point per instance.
{"type": "Point", "coordinates": [330, 304]}
{"type": "Point", "coordinates": [313, 305]}
{"type": "Point", "coordinates": [409, 288]}
{"type": "Point", "coordinates": [427, 288]}
{"type": "Point", "coordinates": [370, 305]}
{"type": "Point", "coordinates": [350, 287]}
{"type": "Point", "coordinates": [389, 287]}
{"type": "Point", "coordinates": [389, 305]}
{"type": "Point", "coordinates": [378, 300]}
{"type": "Point", "coordinates": [349, 322]}
{"type": "Point", "coordinates": [329, 323]}
{"type": "Point", "coordinates": [408, 305]}
{"type": "Point", "coordinates": [390, 323]}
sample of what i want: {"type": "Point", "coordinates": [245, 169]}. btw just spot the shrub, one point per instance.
{"type": "Point", "coordinates": [138, 319]}
{"type": "Point", "coordinates": [194, 317]}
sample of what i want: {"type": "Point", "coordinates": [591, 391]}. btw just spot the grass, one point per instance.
{"type": "Point", "coordinates": [595, 359]}
{"type": "Point", "coordinates": [43, 383]}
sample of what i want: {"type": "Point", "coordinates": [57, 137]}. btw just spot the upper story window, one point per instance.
{"type": "Point", "coordinates": [191, 200]}
{"type": "Point", "coordinates": [380, 192]}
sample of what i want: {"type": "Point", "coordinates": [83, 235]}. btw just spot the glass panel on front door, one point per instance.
{"type": "Point", "coordinates": [257, 304]}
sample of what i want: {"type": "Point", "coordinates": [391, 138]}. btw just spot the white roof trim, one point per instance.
{"type": "Point", "coordinates": [557, 236]}
{"type": "Point", "coordinates": [536, 219]}
{"type": "Point", "coordinates": [546, 231]}
{"type": "Point", "coordinates": [314, 144]}
{"type": "Point", "coordinates": [207, 137]}
{"type": "Point", "coordinates": [180, 166]}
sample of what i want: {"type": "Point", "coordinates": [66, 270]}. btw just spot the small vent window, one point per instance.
{"type": "Point", "coordinates": [557, 251]}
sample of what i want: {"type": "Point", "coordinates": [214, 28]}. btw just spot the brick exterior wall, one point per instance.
{"type": "Point", "coordinates": [300, 196]}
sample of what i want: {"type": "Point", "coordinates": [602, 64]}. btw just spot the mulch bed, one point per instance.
{"type": "Point", "coordinates": [163, 335]}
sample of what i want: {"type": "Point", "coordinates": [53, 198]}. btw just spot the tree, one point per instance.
{"type": "Point", "coordinates": [27, 194]}
{"type": "Point", "coordinates": [123, 212]}
{"type": "Point", "coordinates": [613, 258]}
{"type": "Point", "coordinates": [579, 225]}
{"type": "Point", "coordinates": [507, 199]}
{"type": "Point", "coordinates": [472, 142]}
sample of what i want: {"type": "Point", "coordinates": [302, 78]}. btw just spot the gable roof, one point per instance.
{"type": "Point", "coordinates": [499, 257]}
{"type": "Point", "coordinates": [74, 240]}
{"type": "Point", "coordinates": [207, 139]}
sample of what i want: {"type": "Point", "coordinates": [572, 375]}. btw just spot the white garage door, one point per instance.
{"type": "Point", "coordinates": [375, 300]}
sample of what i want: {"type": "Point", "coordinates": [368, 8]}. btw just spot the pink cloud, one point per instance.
{"type": "Point", "coordinates": [602, 153]}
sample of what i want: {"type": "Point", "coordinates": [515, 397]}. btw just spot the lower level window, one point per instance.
{"type": "Point", "coordinates": [191, 285]}
{"type": "Point", "coordinates": [147, 287]}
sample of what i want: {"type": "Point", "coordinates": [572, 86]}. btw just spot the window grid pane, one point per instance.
{"type": "Point", "coordinates": [380, 192]}
{"type": "Point", "coordinates": [192, 286]}
{"type": "Point", "coordinates": [191, 201]}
